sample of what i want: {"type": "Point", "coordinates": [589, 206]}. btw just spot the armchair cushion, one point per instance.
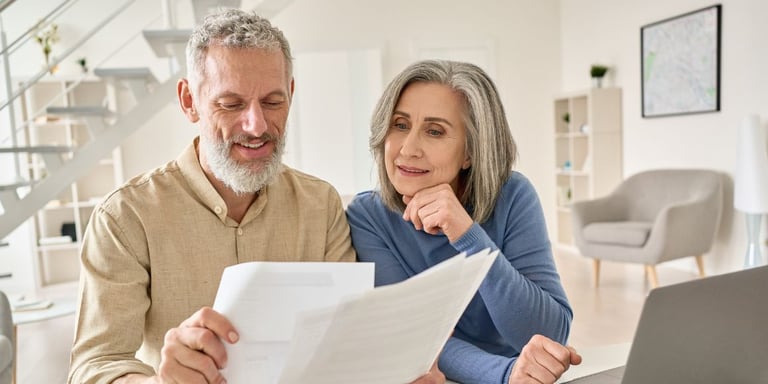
{"type": "Point", "coordinates": [6, 360]}
{"type": "Point", "coordinates": [622, 233]}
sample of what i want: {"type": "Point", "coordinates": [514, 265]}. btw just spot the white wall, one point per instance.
{"type": "Point", "coordinates": [518, 40]}
{"type": "Point", "coordinates": [608, 31]}
{"type": "Point", "coordinates": [522, 36]}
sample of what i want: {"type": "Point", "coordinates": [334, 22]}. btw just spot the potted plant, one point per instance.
{"type": "Point", "coordinates": [83, 64]}
{"type": "Point", "coordinates": [597, 72]}
{"type": "Point", "coordinates": [46, 38]}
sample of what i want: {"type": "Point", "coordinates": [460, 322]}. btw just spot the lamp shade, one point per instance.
{"type": "Point", "coordinates": [750, 193]}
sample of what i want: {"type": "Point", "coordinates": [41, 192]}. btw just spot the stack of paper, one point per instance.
{"type": "Point", "coordinates": [391, 334]}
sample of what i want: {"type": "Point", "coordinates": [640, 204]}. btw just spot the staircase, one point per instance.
{"type": "Point", "coordinates": [108, 126]}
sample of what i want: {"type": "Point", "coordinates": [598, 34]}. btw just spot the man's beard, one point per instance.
{"type": "Point", "coordinates": [242, 177]}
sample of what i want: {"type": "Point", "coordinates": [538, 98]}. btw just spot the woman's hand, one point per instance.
{"type": "Point", "coordinates": [543, 361]}
{"type": "Point", "coordinates": [434, 376]}
{"type": "Point", "coordinates": [435, 210]}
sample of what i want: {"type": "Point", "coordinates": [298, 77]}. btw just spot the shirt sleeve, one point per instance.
{"type": "Point", "coordinates": [114, 299]}
{"type": "Point", "coordinates": [338, 244]}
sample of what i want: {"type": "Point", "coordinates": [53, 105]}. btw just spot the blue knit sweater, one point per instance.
{"type": "Point", "coordinates": [521, 295]}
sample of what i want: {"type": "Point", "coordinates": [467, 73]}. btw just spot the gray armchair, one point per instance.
{"type": "Point", "coordinates": [6, 340]}
{"type": "Point", "coordinates": [652, 217]}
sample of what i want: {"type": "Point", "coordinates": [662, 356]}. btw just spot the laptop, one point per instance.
{"type": "Point", "coordinates": [711, 330]}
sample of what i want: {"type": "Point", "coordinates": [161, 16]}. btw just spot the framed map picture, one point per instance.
{"type": "Point", "coordinates": [680, 62]}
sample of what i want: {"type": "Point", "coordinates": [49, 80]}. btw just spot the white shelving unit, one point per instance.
{"type": "Point", "coordinates": [60, 225]}
{"type": "Point", "coordinates": [588, 151]}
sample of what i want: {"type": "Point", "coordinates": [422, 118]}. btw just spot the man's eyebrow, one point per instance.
{"type": "Point", "coordinates": [227, 94]}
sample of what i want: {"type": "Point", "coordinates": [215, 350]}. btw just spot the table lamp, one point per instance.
{"type": "Point", "coordinates": [750, 193]}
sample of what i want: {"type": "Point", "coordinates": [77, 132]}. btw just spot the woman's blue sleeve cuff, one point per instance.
{"type": "Point", "coordinates": [474, 240]}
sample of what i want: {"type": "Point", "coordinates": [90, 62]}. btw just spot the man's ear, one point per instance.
{"type": "Point", "coordinates": [186, 101]}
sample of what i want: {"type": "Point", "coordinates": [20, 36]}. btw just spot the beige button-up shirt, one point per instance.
{"type": "Point", "coordinates": [155, 249]}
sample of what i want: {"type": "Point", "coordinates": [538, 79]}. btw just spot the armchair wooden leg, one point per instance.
{"type": "Point", "coordinates": [700, 264]}
{"type": "Point", "coordinates": [596, 271]}
{"type": "Point", "coordinates": [650, 270]}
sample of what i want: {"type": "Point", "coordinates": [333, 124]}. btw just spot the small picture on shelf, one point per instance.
{"type": "Point", "coordinates": [563, 196]}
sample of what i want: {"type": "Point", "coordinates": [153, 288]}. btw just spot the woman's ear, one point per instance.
{"type": "Point", "coordinates": [466, 164]}
{"type": "Point", "coordinates": [186, 101]}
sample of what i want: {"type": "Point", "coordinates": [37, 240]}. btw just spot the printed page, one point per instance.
{"type": "Point", "coordinates": [262, 300]}
{"type": "Point", "coordinates": [391, 334]}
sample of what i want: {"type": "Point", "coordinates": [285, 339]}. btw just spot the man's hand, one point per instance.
{"type": "Point", "coordinates": [437, 209]}
{"type": "Point", "coordinates": [193, 352]}
{"type": "Point", "coordinates": [543, 361]}
{"type": "Point", "coordinates": [434, 376]}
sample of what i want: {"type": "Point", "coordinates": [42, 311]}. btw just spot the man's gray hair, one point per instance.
{"type": "Point", "coordinates": [490, 146]}
{"type": "Point", "coordinates": [233, 28]}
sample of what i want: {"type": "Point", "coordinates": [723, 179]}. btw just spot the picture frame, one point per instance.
{"type": "Point", "coordinates": [680, 64]}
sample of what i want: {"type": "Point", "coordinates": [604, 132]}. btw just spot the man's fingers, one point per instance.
{"type": "Point", "coordinates": [216, 322]}
{"type": "Point", "coordinates": [184, 365]}
{"type": "Point", "coordinates": [200, 340]}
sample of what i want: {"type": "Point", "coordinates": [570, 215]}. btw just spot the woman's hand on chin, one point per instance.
{"type": "Point", "coordinates": [437, 210]}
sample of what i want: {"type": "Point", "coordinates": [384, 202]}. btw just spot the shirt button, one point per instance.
{"type": "Point", "coordinates": [240, 231]}
{"type": "Point", "coordinates": [217, 209]}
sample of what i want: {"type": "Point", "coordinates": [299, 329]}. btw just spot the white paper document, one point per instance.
{"type": "Point", "coordinates": [262, 300]}
{"type": "Point", "coordinates": [391, 334]}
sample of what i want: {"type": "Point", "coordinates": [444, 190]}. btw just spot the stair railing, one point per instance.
{"type": "Point", "coordinates": [58, 59]}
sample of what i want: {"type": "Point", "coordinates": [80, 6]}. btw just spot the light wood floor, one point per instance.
{"type": "Point", "coordinates": [604, 315]}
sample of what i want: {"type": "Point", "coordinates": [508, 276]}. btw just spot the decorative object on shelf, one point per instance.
{"type": "Point", "coordinates": [567, 117]}
{"type": "Point", "coordinates": [69, 229]}
{"type": "Point", "coordinates": [567, 165]}
{"type": "Point", "coordinates": [46, 37]}
{"type": "Point", "coordinates": [563, 195]}
{"type": "Point", "coordinates": [584, 129]}
{"type": "Point", "coordinates": [680, 64]}
{"type": "Point", "coordinates": [750, 194]}
{"type": "Point", "coordinates": [586, 166]}
{"type": "Point", "coordinates": [597, 72]}
{"type": "Point", "coordinates": [83, 64]}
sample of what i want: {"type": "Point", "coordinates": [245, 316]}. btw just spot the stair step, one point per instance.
{"type": "Point", "coordinates": [204, 7]}
{"type": "Point", "coordinates": [38, 149]}
{"type": "Point", "coordinates": [91, 110]}
{"type": "Point", "coordinates": [163, 41]}
{"type": "Point", "coordinates": [14, 186]}
{"type": "Point", "coordinates": [125, 73]}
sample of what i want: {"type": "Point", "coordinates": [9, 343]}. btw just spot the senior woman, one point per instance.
{"type": "Point", "coordinates": [445, 153]}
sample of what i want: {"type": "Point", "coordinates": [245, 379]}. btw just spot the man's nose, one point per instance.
{"type": "Point", "coordinates": [254, 121]}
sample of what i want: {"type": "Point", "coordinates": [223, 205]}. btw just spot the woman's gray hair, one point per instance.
{"type": "Point", "coordinates": [233, 28]}
{"type": "Point", "coordinates": [490, 146]}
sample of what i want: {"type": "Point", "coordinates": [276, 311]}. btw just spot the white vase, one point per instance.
{"type": "Point", "coordinates": [597, 82]}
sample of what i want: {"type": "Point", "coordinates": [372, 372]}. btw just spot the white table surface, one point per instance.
{"type": "Point", "coordinates": [597, 359]}
{"type": "Point", "coordinates": [60, 307]}
{"type": "Point", "coordinates": [594, 360]}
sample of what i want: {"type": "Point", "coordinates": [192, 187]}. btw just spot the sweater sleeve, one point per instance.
{"type": "Point", "coordinates": [522, 290]}
{"type": "Point", "coordinates": [464, 362]}
{"type": "Point", "coordinates": [370, 246]}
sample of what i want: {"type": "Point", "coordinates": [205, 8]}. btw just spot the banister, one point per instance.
{"type": "Point", "coordinates": [4, 4]}
{"type": "Point", "coordinates": [42, 23]}
{"type": "Point", "coordinates": [58, 59]}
